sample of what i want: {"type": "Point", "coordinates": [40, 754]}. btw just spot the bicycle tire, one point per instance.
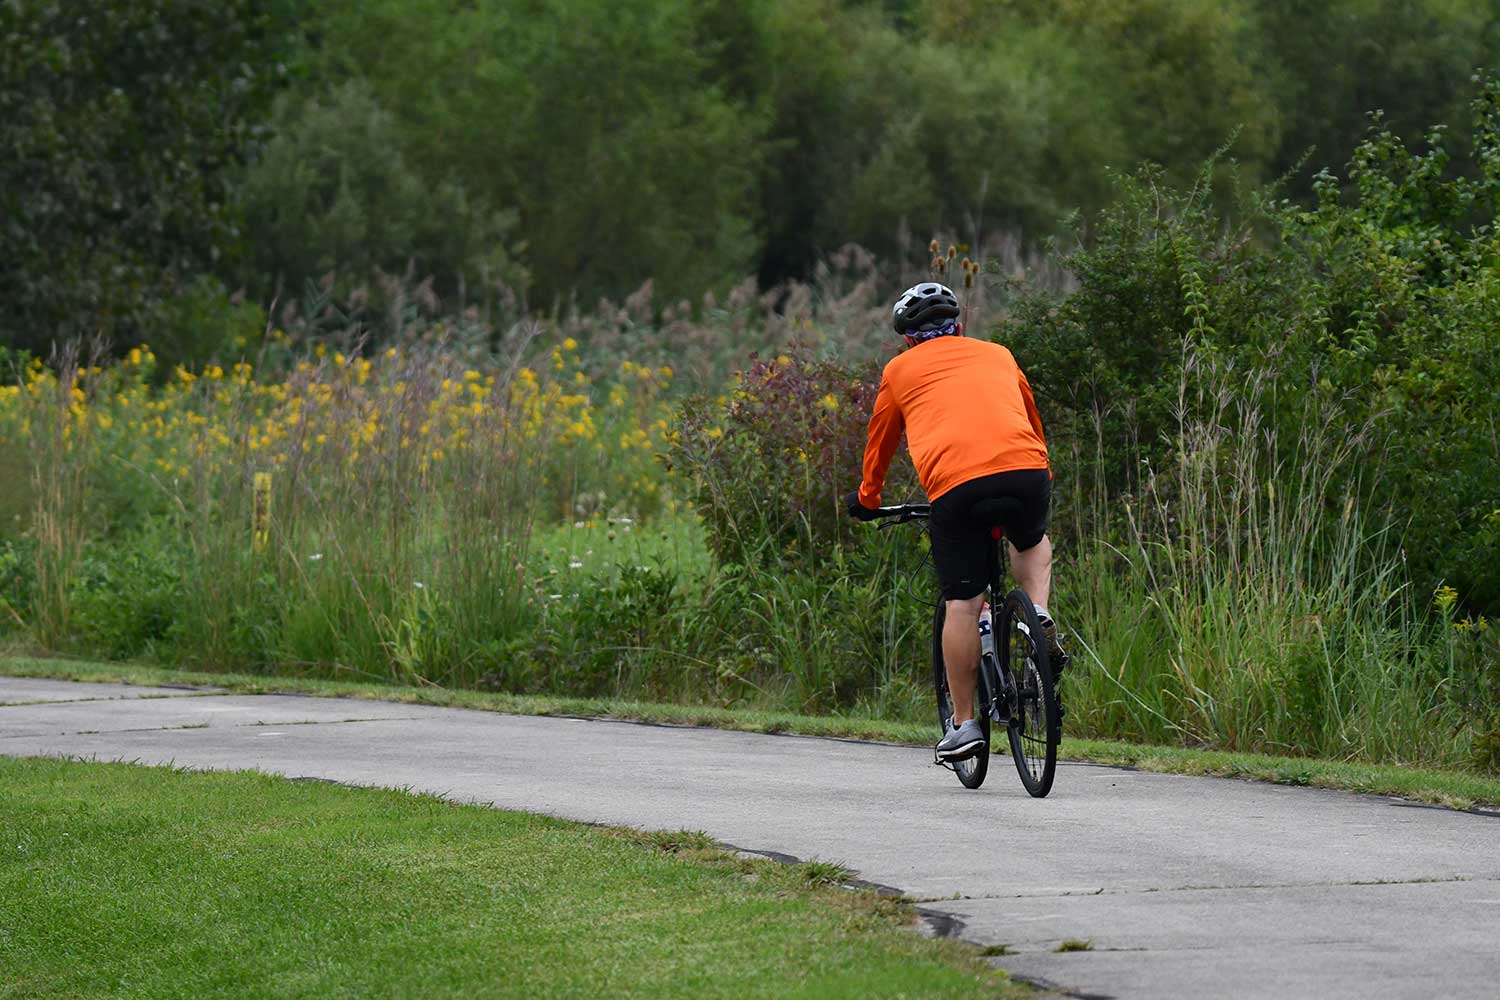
{"type": "Point", "coordinates": [1035, 727]}
{"type": "Point", "coordinates": [971, 772]}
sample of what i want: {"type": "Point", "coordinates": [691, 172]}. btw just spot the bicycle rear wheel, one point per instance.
{"type": "Point", "coordinates": [970, 772]}
{"type": "Point", "coordinates": [1036, 724]}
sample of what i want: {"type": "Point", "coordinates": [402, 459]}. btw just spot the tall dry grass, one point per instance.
{"type": "Point", "coordinates": [1246, 597]}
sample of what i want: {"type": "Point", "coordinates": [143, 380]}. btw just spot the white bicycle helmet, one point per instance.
{"type": "Point", "coordinates": [923, 307]}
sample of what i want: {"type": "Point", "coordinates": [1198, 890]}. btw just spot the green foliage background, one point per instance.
{"type": "Point", "coordinates": [525, 155]}
{"type": "Point", "coordinates": [1245, 249]}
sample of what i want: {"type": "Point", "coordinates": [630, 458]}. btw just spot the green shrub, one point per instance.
{"type": "Point", "coordinates": [17, 582]}
{"type": "Point", "coordinates": [204, 323]}
{"type": "Point", "coordinates": [128, 595]}
{"type": "Point", "coordinates": [772, 461]}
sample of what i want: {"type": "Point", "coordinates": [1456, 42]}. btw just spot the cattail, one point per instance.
{"type": "Point", "coordinates": [967, 265]}
{"type": "Point", "coordinates": [932, 248]}
{"type": "Point", "coordinates": [952, 251]}
{"type": "Point", "coordinates": [937, 264]}
{"type": "Point", "coordinates": [969, 280]}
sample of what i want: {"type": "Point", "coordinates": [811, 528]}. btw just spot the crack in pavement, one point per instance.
{"type": "Point", "coordinates": [204, 725]}
{"type": "Point", "coordinates": [119, 697]}
{"type": "Point", "coordinates": [1102, 891]}
{"type": "Point", "coordinates": [1013, 951]}
{"type": "Point", "coordinates": [330, 722]}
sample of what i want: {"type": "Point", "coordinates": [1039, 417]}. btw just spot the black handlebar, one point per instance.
{"type": "Point", "coordinates": [904, 512]}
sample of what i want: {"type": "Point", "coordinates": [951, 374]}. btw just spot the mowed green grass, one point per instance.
{"type": "Point", "coordinates": [125, 881]}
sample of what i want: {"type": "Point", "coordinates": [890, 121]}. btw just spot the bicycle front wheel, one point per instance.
{"type": "Point", "coordinates": [1036, 723]}
{"type": "Point", "coordinates": [970, 772]}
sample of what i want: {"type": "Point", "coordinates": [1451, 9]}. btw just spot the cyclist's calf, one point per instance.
{"type": "Point", "coordinates": [961, 654]}
{"type": "Point", "coordinates": [1033, 570]}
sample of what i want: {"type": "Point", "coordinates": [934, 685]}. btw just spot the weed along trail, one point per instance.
{"type": "Point", "coordinates": [1120, 884]}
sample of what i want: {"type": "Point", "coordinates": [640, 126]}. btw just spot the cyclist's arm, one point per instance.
{"type": "Point", "coordinates": [886, 425]}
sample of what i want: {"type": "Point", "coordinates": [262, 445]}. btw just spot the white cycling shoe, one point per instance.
{"type": "Point", "coordinates": [961, 743]}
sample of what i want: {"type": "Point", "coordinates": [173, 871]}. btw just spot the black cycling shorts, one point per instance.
{"type": "Point", "coordinates": [962, 546]}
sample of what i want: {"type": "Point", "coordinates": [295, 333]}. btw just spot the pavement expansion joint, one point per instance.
{"type": "Point", "coordinates": [186, 693]}
{"type": "Point", "coordinates": [1337, 884]}
{"type": "Point", "coordinates": [206, 725]}
{"type": "Point", "coordinates": [1102, 891]}
{"type": "Point", "coordinates": [328, 722]}
{"type": "Point", "coordinates": [107, 732]}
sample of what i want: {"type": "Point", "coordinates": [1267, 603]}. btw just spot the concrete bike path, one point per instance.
{"type": "Point", "coordinates": [1185, 887]}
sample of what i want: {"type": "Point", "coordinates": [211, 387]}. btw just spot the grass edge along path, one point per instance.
{"type": "Point", "coordinates": [124, 879]}
{"type": "Point", "coordinates": [1452, 789]}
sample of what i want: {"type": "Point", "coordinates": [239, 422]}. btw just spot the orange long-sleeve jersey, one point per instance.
{"type": "Point", "coordinates": [967, 411]}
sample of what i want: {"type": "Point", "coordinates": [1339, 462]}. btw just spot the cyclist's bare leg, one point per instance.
{"type": "Point", "coordinates": [1033, 572]}
{"type": "Point", "coordinates": [961, 654]}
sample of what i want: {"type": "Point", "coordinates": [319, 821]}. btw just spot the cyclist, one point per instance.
{"type": "Point", "coordinates": [974, 434]}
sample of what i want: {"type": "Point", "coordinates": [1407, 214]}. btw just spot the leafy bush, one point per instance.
{"type": "Point", "coordinates": [128, 597]}
{"type": "Point", "coordinates": [204, 323]}
{"type": "Point", "coordinates": [17, 582]}
{"type": "Point", "coordinates": [772, 461]}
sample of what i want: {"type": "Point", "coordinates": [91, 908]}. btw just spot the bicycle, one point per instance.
{"type": "Point", "coordinates": [1016, 686]}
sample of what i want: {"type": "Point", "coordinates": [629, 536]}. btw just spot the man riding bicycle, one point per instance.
{"type": "Point", "coordinates": [974, 434]}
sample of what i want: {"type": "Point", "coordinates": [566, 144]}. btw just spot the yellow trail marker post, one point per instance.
{"type": "Point", "coordinates": [260, 514]}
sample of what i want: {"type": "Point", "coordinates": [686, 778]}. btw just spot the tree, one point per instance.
{"type": "Point", "coordinates": [1335, 61]}
{"type": "Point", "coordinates": [598, 122]}
{"type": "Point", "coordinates": [332, 191]}
{"type": "Point", "coordinates": [119, 120]}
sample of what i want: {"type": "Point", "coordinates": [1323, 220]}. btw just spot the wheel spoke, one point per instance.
{"type": "Point", "coordinates": [1033, 734]}
{"type": "Point", "coordinates": [971, 772]}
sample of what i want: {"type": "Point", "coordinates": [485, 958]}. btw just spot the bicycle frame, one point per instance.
{"type": "Point", "coordinates": [988, 676]}
{"type": "Point", "coordinates": [1019, 694]}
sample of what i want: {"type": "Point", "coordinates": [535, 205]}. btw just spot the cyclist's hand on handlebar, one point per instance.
{"type": "Point", "coordinates": [858, 510]}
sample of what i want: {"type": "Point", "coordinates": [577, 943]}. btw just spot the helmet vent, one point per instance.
{"type": "Point", "coordinates": [922, 307]}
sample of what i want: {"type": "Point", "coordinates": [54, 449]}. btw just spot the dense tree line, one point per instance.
{"type": "Point", "coordinates": [163, 153]}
